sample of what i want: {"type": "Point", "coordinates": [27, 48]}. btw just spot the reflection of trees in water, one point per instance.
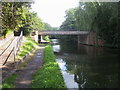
{"type": "Point", "coordinates": [97, 74]}
{"type": "Point", "coordinates": [92, 67]}
{"type": "Point", "coordinates": [87, 78]}
{"type": "Point", "coordinates": [80, 77]}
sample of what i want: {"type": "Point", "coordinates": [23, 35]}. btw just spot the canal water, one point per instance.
{"type": "Point", "coordinates": [87, 66]}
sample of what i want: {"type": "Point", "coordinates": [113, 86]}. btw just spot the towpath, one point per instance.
{"type": "Point", "coordinates": [25, 75]}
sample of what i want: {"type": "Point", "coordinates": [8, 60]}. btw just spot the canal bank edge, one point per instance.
{"type": "Point", "coordinates": [49, 75]}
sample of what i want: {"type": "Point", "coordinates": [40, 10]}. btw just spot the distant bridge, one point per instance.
{"type": "Point", "coordinates": [84, 37]}
{"type": "Point", "coordinates": [61, 32]}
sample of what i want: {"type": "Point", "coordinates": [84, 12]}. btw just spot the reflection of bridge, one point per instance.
{"type": "Point", "coordinates": [57, 32]}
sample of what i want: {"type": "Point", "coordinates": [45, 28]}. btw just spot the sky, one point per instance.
{"type": "Point", "coordinates": [53, 11]}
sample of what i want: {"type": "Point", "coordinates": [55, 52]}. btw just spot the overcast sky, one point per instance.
{"type": "Point", "coordinates": [53, 11]}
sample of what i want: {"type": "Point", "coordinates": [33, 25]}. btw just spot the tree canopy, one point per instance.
{"type": "Point", "coordinates": [99, 17]}
{"type": "Point", "coordinates": [17, 16]}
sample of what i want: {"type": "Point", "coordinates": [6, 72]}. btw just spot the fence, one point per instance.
{"type": "Point", "coordinates": [15, 48]}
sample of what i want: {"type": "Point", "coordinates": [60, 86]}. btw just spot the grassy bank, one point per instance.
{"type": "Point", "coordinates": [26, 47]}
{"type": "Point", "coordinates": [49, 76]}
{"type": "Point", "coordinates": [9, 82]}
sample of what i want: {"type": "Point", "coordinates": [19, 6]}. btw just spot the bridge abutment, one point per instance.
{"type": "Point", "coordinates": [34, 36]}
{"type": "Point", "coordinates": [40, 38]}
{"type": "Point", "coordinates": [89, 39]}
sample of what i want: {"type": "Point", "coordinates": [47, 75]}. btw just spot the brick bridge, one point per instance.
{"type": "Point", "coordinates": [84, 37]}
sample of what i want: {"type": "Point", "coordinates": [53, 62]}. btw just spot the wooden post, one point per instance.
{"type": "Point", "coordinates": [78, 38]}
{"type": "Point", "coordinates": [41, 38]}
{"type": "Point", "coordinates": [36, 36]}
{"type": "Point", "coordinates": [14, 54]}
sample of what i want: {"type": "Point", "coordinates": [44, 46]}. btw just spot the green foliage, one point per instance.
{"type": "Point", "coordinates": [17, 16]}
{"type": "Point", "coordinates": [12, 13]}
{"type": "Point", "coordinates": [69, 23]}
{"type": "Point", "coordinates": [33, 23]}
{"type": "Point", "coordinates": [10, 81]}
{"type": "Point", "coordinates": [46, 38]}
{"type": "Point", "coordinates": [49, 27]}
{"type": "Point", "coordinates": [13, 16]}
{"type": "Point", "coordinates": [37, 23]}
{"type": "Point", "coordinates": [49, 75]}
{"type": "Point", "coordinates": [99, 17]}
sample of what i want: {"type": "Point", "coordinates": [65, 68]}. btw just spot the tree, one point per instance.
{"type": "Point", "coordinates": [69, 23]}
{"type": "Point", "coordinates": [13, 16]}
{"type": "Point", "coordinates": [17, 16]}
{"type": "Point", "coordinates": [33, 22]}
{"type": "Point", "coordinates": [102, 18]}
{"type": "Point", "coordinates": [47, 26]}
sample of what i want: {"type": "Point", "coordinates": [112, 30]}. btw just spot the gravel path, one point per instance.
{"type": "Point", "coordinates": [25, 75]}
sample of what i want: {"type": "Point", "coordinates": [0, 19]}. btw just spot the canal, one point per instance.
{"type": "Point", "coordinates": [87, 66]}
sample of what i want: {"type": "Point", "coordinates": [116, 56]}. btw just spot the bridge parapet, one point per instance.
{"type": "Point", "coordinates": [57, 32]}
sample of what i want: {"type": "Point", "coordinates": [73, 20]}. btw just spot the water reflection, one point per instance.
{"type": "Point", "coordinates": [68, 77]}
{"type": "Point", "coordinates": [90, 67]}
{"type": "Point", "coordinates": [54, 41]}
{"type": "Point", "coordinates": [56, 48]}
{"type": "Point", "coordinates": [62, 64]}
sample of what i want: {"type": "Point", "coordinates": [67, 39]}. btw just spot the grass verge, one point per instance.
{"type": "Point", "coordinates": [9, 81]}
{"type": "Point", "coordinates": [49, 75]}
{"type": "Point", "coordinates": [26, 47]}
